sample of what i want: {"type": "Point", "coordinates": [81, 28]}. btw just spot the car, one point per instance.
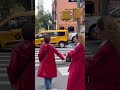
{"type": "Point", "coordinates": [59, 38]}
{"type": "Point", "coordinates": [90, 22]}
{"type": "Point", "coordinates": [10, 28]}
{"type": "Point", "coordinates": [72, 34]}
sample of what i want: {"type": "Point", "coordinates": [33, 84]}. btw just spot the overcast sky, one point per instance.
{"type": "Point", "coordinates": [47, 4]}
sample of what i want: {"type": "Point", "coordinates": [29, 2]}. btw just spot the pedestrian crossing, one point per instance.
{"type": "Point", "coordinates": [58, 60]}
{"type": "Point", "coordinates": [4, 61]}
{"type": "Point", "coordinates": [5, 58]}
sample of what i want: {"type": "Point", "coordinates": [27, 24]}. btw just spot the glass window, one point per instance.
{"type": "Point", "coordinates": [116, 14]}
{"type": "Point", "coordinates": [40, 36]}
{"type": "Point", "coordinates": [60, 33]}
{"type": "Point", "coordinates": [16, 23]}
{"type": "Point", "coordinates": [72, 0]}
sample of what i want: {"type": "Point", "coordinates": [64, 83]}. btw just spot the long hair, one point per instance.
{"type": "Point", "coordinates": [81, 38]}
{"type": "Point", "coordinates": [111, 30]}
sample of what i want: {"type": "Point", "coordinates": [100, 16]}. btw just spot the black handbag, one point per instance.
{"type": "Point", "coordinates": [68, 59]}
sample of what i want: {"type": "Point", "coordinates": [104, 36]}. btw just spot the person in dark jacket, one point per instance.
{"type": "Point", "coordinates": [47, 68]}
{"type": "Point", "coordinates": [21, 69]}
{"type": "Point", "coordinates": [103, 68]}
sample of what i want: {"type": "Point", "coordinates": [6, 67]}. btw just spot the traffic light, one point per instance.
{"type": "Point", "coordinates": [65, 15]}
{"type": "Point", "coordinates": [76, 13]}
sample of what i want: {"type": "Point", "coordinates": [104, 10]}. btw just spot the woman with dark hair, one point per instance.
{"type": "Point", "coordinates": [21, 69]}
{"type": "Point", "coordinates": [103, 68]}
{"type": "Point", "coordinates": [47, 68]}
{"type": "Point", "coordinates": [76, 79]}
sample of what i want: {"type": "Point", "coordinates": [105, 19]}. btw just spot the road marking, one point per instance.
{"type": "Point", "coordinates": [55, 60]}
{"type": "Point", "coordinates": [4, 82]}
{"type": "Point", "coordinates": [5, 64]}
{"type": "Point", "coordinates": [3, 69]}
{"type": "Point", "coordinates": [64, 70]}
{"type": "Point", "coordinates": [3, 75]}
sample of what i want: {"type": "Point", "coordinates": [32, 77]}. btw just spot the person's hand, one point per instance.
{"type": "Point", "coordinates": [65, 54]}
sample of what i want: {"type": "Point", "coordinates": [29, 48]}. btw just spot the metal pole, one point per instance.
{"type": "Point", "coordinates": [32, 5]}
{"type": "Point", "coordinates": [78, 20]}
{"type": "Point", "coordinates": [48, 27]}
{"type": "Point", "coordinates": [56, 24]}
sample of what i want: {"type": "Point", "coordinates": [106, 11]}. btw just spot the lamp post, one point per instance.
{"type": "Point", "coordinates": [78, 20]}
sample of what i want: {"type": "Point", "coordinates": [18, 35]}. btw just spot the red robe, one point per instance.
{"type": "Point", "coordinates": [104, 69]}
{"type": "Point", "coordinates": [21, 69]}
{"type": "Point", "coordinates": [76, 79]}
{"type": "Point", "coordinates": [47, 68]}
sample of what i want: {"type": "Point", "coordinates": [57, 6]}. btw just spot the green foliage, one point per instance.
{"type": "Point", "coordinates": [42, 20]}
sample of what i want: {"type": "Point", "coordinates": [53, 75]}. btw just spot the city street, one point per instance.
{"type": "Point", "coordinates": [60, 82]}
{"type": "Point", "coordinates": [62, 67]}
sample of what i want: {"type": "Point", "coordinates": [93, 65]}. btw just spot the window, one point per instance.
{"type": "Point", "coordinates": [40, 36]}
{"type": "Point", "coordinates": [60, 33]}
{"type": "Point", "coordinates": [16, 23]}
{"type": "Point", "coordinates": [116, 14]}
{"type": "Point", "coordinates": [72, 0]}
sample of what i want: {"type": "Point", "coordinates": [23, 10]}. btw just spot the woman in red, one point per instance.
{"type": "Point", "coordinates": [76, 79]}
{"type": "Point", "coordinates": [21, 69]}
{"type": "Point", "coordinates": [104, 68]}
{"type": "Point", "coordinates": [48, 69]}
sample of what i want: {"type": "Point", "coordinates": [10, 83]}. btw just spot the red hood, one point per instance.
{"type": "Point", "coordinates": [45, 47]}
{"type": "Point", "coordinates": [25, 48]}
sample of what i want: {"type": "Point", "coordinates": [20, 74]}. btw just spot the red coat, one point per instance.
{"type": "Point", "coordinates": [47, 68]}
{"type": "Point", "coordinates": [21, 69]}
{"type": "Point", "coordinates": [76, 79]}
{"type": "Point", "coordinates": [104, 69]}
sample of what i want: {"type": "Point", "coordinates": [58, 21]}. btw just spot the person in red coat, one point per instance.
{"type": "Point", "coordinates": [21, 69]}
{"type": "Point", "coordinates": [76, 79]}
{"type": "Point", "coordinates": [104, 68]}
{"type": "Point", "coordinates": [47, 68]}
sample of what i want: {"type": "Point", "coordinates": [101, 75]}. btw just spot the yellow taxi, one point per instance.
{"type": "Point", "coordinates": [58, 37]}
{"type": "Point", "coordinates": [10, 28]}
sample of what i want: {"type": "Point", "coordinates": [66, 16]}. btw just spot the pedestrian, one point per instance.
{"type": "Point", "coordinates": [47, 68]}
{"type": "Point", "coordinates": [76, 79]}
{"type": "Point", "coordinates": [103, 68]}
{"type": "Point", "coordinates": [21, 69]}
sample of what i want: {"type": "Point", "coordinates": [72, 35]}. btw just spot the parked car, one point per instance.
{"type": "Point", "coordinates": [72, 34]}
{"type": "Point", "coordinates": [90, 22]}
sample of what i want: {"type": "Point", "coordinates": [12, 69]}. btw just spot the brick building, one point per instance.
{"type": "Point", "coordinates": [60, 5]}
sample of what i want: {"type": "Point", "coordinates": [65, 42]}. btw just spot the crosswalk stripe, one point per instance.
{"type": "Point", "coordinates": [3, 75]}
{"type": "Point", "coordinates": [55, 60]}
{"type": "Point", "coordinates": [3, 69]}
{"type": "Point", "coordinates": [4, 82]}
{"type": "Point", "coordinates": [4, 64]}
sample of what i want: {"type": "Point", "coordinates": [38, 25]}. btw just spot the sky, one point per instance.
{"type": "Point", "coordinates": [47, 4]}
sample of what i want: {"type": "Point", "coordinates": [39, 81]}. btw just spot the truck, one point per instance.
{"type": "Point", "coordinates": [90, 22]}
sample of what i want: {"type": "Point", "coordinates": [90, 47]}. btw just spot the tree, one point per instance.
{"type": "Point", "coordinates": [42, 20]}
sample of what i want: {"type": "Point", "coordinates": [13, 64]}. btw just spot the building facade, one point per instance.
{"type": "Point", "coordinates": [61, 5]}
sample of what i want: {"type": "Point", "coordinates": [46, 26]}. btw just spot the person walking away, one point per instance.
{"type": "Point", "coordinates": [21, 69]}
{"type": "Point", "coordinates": [47, 68]}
